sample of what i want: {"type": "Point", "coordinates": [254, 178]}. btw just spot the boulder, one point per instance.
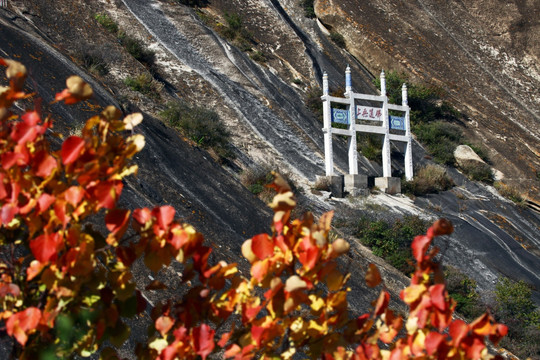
{"type": "Point", "coordinates": [466, 157]}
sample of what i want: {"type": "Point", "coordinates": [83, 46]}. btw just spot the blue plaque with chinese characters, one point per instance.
{"type": "Point", "coordinates": [340, 116]}
{"type": "Point", "coordinates": [397, 122]}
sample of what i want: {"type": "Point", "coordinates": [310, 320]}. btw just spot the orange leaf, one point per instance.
{"type": "Point", "coordinates": [259, 270]}
{"type": "Point", "coordinates": [382, 303]}
{"type": "Point", "coordinates": [203, 340]}
{"type": "Point", "coordinates": [71, 149]}
{"type": "Point", "coordinates": [22, 323]}
{"type": "Point", "coordinates": [458, 330]}
{"type": "Point", "coordinates": [164, 324]}
{"type": "Point", "coordinates": [262, 246]}
{"type": "Point", "coordinates": [142, 216]}
{"type": "Point", "coordinates": [373, 276]}
{"type": "Point", "coordinates": [34, 269]}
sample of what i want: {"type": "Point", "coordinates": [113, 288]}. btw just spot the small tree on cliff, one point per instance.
{"type": "Point", "coordinates": [66, 289]}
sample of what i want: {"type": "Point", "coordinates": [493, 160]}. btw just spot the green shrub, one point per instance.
{"type": "Point", "coordinates": [138, 50]}
{"type": "Point", "coordinates": [338, 39]}
{"type": "Point", "coordinates": [514, 300]}
{"type": "Point", "coordinates": [370, 145]}
{"type": "Point", "coordinates": [94, 63]}
{"type": "Point", "coordinates": [144, 84]}
{"type": "Point", "coordinates": [429, 179]}
{"type": "Point", "coordinates": [462, 289]}
{"type": "Point", "coordinates": [314, 103]}
{"type": "Point", "coordinates": [391, 241]}
{"type": "Point", "coordinates": [258, 56]}
{"type": "Point", "coordinates": [510, 192]}
{"type": "Point", "coordinates": [200, 125]}
{"type": "Point", "coordinates": [309, 8]}
{"type": "Point", "coordinates": [108, 23]}
{"type": "Point", "coordinates": [479, 172]}
{"type": "Point", "coordinates": [440, 139]}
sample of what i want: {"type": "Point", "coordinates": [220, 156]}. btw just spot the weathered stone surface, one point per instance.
{"type": "Point", "coordinates": [389, 185]}
{"type": "Point", "coordinates": [466, 157]}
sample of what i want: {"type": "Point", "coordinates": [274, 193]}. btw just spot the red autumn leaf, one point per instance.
{"type": "Point", "coordinates": [3, 190]}
{"type": "Point", "coordinates": [164, 324]}
{"type": "Point", "coordinates": [106, 193]}
{"type": "Point", "coordinates": [44, 201]}
{"type": "Point", "coordinates": [72, 149]}
{"type": "Point", "coordinates": [23, 133]}
{"type": "Point", "coordinates": [178, 237]}
{"type": "Point", "coordinates": [116, 221]}
{"type": "Point", "coordinates": [373, 276]}
{"type": "Point", "coordinates": [432, 342]}
{"type": "Point", "coordinates": [262, 246]}
{"type": "Point", "coordinates": [164, 216]}
{"type": "Point", "coordinates": [22, 323]}
{"type": "Point", "coordinates": [203, 340]}
{"type": "Point", "coordinates": [45, 247]}
{"type": "Point", "coordinates": [9, 289]}
{"type": "Point", "coordinates": [257, 333]}
{"type": "Point", "coordinates": [126, 255]}
{"type": "Point", "coordinates": [500, 332]}
{"type": "Point", "coordinates": [440, 227]}
{"type": "Point", "coordinates": [458, 330]}
{"type": "Point", "coordinates": [11, 158]}
{"type": "Point", "coordinates": [45, 164]}
{"type": "Point", "coordinates": [60, 211]}
{"type": "Point", "coordinates": [74, 195]}
{"type": "Point", "coordinates": [225, 338]}
{"type": "Point", "coordinates": [474, 347]}
{"type": "Point", "coordinates": [142, 216]}
{"type": "Point", "coordinates": [419, 246]}
{"type": "Point", "coordinates": [437, 296]}
{"type": "Point", "coordinates": [382, 303]}
{"type": "Point", "coordinates": [8, 213]}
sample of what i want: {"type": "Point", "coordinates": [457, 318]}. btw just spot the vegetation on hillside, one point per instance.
{"type": "Point", "coordinates": [67, 289]}
{"type": "Point", "coordinates": [201, 125]}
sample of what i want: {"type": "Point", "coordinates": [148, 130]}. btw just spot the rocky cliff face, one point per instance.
{"type": "Point", "coordinates": [486, 59]}
{"type": "Point", "coordinates": [484, 54]}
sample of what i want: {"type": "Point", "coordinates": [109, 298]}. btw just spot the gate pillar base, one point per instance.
{"type": "Point", "coordinates": [389, 185]}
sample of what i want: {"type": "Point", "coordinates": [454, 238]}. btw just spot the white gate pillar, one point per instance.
{"type": "Point", "coordinates": [408, 150]}
{"type": "Point", "coordinates": [327, 123]}
{"type": "Point", "coordinates": [353, 150]}
{"type": "Point", "coordinates": [386, 161]}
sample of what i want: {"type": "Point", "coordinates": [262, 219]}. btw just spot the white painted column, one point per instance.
{"type": "Point", "coordinates": [327, 123]}
{"type": "Point", "coordinates": [353, 151]}
{"type": "Point", "coordinates": [386, 161]}
{"type": "Point", "coordinates": [409, 173]}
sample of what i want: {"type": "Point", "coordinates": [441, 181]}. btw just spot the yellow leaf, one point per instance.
{"type": "Point", "coordinates": [132, 120]}
{"type": "Point", "coordinates": [284, 201]}
{"type": "Point", "coordinates": [340, 246]}
{"type": "Point", "coordinates": [138, 141]}
{"type": "Point", "coordinates": [334, 280]}
{"type": "Point", "coordinates": [316, 302]}
{"type": "Point", "coordinates": [78, 87]}
{"type": "Point", "coordinates": [413, 293]}
{"type": "Point", "coordinates": [295, 283]}
{"type": "Point", "coordinates": [373, 276]}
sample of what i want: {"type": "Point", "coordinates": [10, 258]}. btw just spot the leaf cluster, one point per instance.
{"type": "Point", "coordinates": [57, 274]}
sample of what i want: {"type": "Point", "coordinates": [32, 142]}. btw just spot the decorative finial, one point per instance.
{"type": "Point", "coordinates": [348, 81]}
{"type": "Point", "coordinates": [325, 83]}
